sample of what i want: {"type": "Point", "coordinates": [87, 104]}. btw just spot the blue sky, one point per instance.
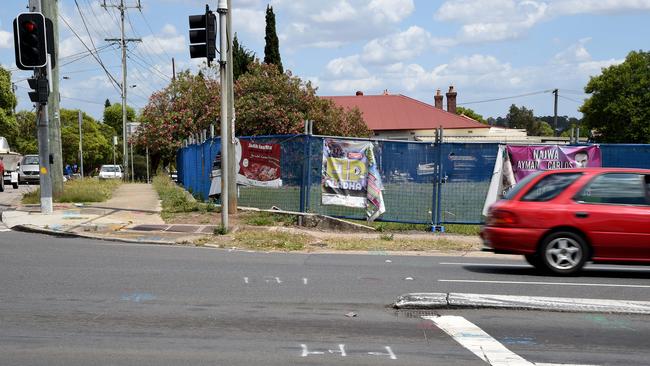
{"type": "Point", "coordinates": [497, 49]}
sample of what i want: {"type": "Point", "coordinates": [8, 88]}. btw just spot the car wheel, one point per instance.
{"type": "Point", "coordinates": [2, 184]}
{"type": "Point", "coordinates": [563, 253]}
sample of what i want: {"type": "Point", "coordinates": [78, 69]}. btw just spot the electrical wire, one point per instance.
{"type": "Point", "coordinates": [573, 100]}
{"type": "Point", "coordinates": [162, 76]}
{"type": "Point", "coordinates": [505, 98]}
{"type": "Point", "coordinates": [111, 77]}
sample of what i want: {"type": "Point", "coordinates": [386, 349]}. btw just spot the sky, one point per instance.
{"type": "Point", "coordinates": [495, 53]}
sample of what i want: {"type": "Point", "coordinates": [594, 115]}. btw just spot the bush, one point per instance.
{"type": "Point", "coordinates": [176, 199]}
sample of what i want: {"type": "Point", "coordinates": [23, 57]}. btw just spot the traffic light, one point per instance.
{"type": "Point", "coordinates": [203, 35]}
{"type": "Point", "coordinates": [41, 90]}
{"type": "Point", "coordinates": [30, 40]}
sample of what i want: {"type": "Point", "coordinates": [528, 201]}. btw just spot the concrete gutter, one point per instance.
{"type": "Point", "coordinates": [145, 238]}
{"type": "Point", "coordinates": [426, 301]}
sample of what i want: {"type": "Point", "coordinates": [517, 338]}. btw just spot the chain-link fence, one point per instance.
{"type": "Point", "coordinates": [424, 183]}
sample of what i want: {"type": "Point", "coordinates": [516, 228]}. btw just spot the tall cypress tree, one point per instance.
{"type": "Point", "coordinates": [241, 58]}
{"type": "Point", "coordinates": [272, 46]}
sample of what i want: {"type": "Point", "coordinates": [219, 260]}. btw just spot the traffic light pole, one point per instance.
{"type": "Point", "coordinates": [225, 138]}
{"type": "Point", "coordinates": [44, 154]}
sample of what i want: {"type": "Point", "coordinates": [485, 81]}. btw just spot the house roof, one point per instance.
{"type": "Point", "coordinates": [399, 112]}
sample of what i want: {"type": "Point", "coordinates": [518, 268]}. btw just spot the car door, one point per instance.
{"type": "Point", "coordinates": [614, 210]}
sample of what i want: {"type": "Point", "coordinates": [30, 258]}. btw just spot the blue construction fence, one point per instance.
{"type": "Point", "coordinates": [424, 182]}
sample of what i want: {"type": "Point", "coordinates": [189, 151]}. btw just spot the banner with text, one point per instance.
{"type": "Point", "coordinates": [350, 176]}
{"type": "Point", "coordinates": [528, 159]}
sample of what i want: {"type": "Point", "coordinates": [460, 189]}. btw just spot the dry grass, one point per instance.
{"type": "Point", "coordinates": [79, 190]}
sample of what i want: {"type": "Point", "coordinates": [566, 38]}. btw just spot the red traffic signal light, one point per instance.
{"type": "Point", "coordinates": [30, 40]}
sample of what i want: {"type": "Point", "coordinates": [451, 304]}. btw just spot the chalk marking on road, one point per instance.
{"type": "Point", "coordinates": [305, 280]}
{"type": "Point", "coordinates": [389, 353]}
{"type": "Point", "coordinates": [341, 350]}
{"type": "Point", "coordinates": [306, 352]}
{"type": "Point", "coordinates": [529, 266]}
{"type": "Point", "coordinates": [482, 344]}
{"type": "Point", "coordinates": [246, 280]}
{"type": "Point", "coordinates": [548, 283]}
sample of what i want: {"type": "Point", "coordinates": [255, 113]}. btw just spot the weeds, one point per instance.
{"type": "Point", "coordinates": [175, 199]}
{"type": "Point", "coordinates": [79, 190]}
{"type": "Point", "coordinates": [262, 218]}
{"type": "Point", "coordinates": [265, 240]}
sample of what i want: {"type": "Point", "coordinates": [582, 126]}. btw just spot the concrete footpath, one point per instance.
{"type": "Point", "coordinates": [131, 215]}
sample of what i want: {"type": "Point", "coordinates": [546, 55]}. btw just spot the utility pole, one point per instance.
{"type": "Point", "coordinates": [222, 9]}
{"type": "Point", "coordinates": [232, 164]}
{"type": "Point", "coordinates": [81, 148]}
{"type": "Point", "coordinates": [45, 175]}
{"type": "Point", "coordinates": [50, 9]}
{"type": "Point", "coordinates": [122, 41]}
{"type": "Point", "coordinates": [173, 70]}
{"type": "Point", "coordinates": [555, 91]}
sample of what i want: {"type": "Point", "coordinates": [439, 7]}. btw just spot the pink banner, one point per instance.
{"type": "Point", "coordinates": [528, 159]}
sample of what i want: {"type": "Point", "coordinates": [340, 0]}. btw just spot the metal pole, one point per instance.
{"type": "Point", "coordinates": [132, 175]}
{"type": "Point", "coordinates": [555, 131]}
{"type": "Point", "coordinates": [223, 10]}
{"type": "Point", "coordinates": [81, 149]}
{"type": "Point", "coordinates": [114, 143]}
{"type": "Point", "coordinates": [125, 157]}
{"type": "Point", "coordinates": [233, 165]}
{"type": "Point", "coordinates": [146, 148]}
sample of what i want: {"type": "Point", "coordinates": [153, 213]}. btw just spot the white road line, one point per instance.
{"type": "Point", "coordinates": [529, 266]}
{"type": "Point", "coordinates": [482, 344]}
{"type": "Point", "coordinates": [548, 283]}
{"type": "Point", "coordinates": [477, 341]}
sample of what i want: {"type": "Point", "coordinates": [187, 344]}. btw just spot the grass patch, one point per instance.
{"type": "Point", "coordinates": [462, 229]}
{"type": "Point", "coordinates": [175, 199]}
{"type": "Point", "coordinates": [267, 240]}
{"type": "Point", "coordinates": [398, 227]}
{"type": "Point", "coordinates": [263, 218]}
{"type": "Point", "coordinates": [80, 191]}
{"type": "Point", "coordinates": [402, 244]}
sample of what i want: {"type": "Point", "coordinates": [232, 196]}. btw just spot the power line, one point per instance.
{"type": "Point", "coordinates": [573, 100]}
{"type": "Point", "coordinates": [164, 77]}
{"type": "Point", "coordinates": [112, 78]}
{"type": "Point", "coordinates": [505, 98]}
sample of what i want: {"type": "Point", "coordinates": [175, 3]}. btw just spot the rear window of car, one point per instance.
{"type": "Point", "coordinates": [617, 189]}
{"type": "Point", "coordinates": [521, 184]}
{"type": "Point", "coordinates": [110, 169]}
{"type": "Point", "coordinates": [550, 187]}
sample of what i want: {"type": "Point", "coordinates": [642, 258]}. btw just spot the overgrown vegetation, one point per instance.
{"type": "Point", "coordinates": [79, 191]}
{"type": "Point", "coordinates": [262, 218]}
{"type": "Point", "coordinates": [267, 240]}
{"type": "Point", "coordinates": [397, 244]}
{"type": "Point", "coordinates": [382, 226]}
{"type": "Point", "coordinates": [175, 199]}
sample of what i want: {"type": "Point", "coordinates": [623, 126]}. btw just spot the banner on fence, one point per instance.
{"type": "Point", "coordinates": [350, 176]}
{"type": "Point", "coordinates": [258, 165]}
{"type": "Point", "coordinates": [515, 162]}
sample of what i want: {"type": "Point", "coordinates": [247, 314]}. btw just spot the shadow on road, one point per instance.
{"type": "Point", "coordinates": [641, 272]}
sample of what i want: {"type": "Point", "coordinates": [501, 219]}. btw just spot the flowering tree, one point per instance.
{"type": "Point", "coordinates": [187, 106]}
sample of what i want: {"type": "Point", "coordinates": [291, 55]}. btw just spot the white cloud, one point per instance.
{"type": "Point", "coordinates": [573, 54]}
{"type": "Point", "coordinates": [249, 21]}
{"type": "Point", "coordinates": [348, 67]}
{"type": "Point", "coordinates": [6, 39]}
{"type": "Point", "coordinates": [498, 20]}
{"type": "Point", "coordinates": [339, 12]}
{"type": "Point", "coordinates": [393, 11]}
{"type": "Point", "coordinates": [401, 46]}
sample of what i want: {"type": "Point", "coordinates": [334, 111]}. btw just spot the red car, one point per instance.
{"type": "Point", "coordinates": [560, 219]}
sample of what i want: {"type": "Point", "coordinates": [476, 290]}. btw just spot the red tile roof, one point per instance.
{"type": "Point", "coordinates": [399, 112]}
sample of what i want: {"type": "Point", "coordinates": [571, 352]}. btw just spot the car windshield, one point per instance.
{"type": "Point", "coordinates": [30, 160]}
{"type": "Point", "coordinates": [522, 183]}
{"type": "Point", "coordinates": [110, 169]}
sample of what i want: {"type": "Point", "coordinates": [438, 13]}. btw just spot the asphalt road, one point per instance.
{"type": "Point", "coordinates": [80, 302]}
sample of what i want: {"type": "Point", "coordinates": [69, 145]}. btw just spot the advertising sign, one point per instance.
{"type": "Point", "coordinates": [350, 176]}
{"type": "Point", "coordinates": [528, 159]}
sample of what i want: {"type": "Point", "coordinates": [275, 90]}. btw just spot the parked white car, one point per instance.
{"type": "Point", "coordinates": [110, 172]}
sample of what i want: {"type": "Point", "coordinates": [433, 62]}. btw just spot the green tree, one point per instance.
{"type": "Point", "coordinates": [97, 148]}
{"type": "Point", "coordinates": [523, 118]}
{"type": "Point", "coordinates": [619, 107]}
{"type": "Point", "coordinates": [471, 114]}
{"type": "Point", "coordinates": [272, 45]}
{"type": "Point", "coordinates": [107, 103]}
{"type": "Point", "coordinates": [113, 116]}
{"type": "Point", "coordinates": [241, 58]}
{"type": "Point", "coordinates": [26, 140]}
{"type": "Point", "coordinates": [544, 129]}
{"type": "Point", "coordinates": [8, 124]}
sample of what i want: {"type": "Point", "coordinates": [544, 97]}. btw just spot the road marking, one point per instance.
{"type": "Point", "coordinates": [306, 352]}
{"type": "Point", "coordinates": [480, 343]}
{"type": "Point", "coordinates": [529, 266]}
{"type": "Point", "coordinates": [548, 283]}
{"type": "Point", "coordinates": [305, 280]}
{"type": "Point", "coordinates": [246, 280]}
{"type": "Point", "coordinates": [389, 353]}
